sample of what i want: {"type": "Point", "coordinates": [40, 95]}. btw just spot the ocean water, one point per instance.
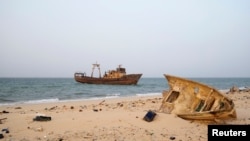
{"type": "Point", "coordinates": [39, 90]}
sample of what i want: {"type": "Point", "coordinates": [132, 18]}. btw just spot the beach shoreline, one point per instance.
{"type": "Point", "coordinates": [107, 119]}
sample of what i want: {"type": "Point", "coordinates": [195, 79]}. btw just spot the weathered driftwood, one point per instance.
{"type": "Point", "coordinates": [195, 101]}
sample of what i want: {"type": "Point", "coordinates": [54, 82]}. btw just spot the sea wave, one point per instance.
{"type": "Point", "coordinates": [113, 95]}
{"type": "Point", "coordinates": [41, 90]}
{"type": "Point", "coordinates": [149, 94]}
{"type": "Point", "coordinates": [42, 101]}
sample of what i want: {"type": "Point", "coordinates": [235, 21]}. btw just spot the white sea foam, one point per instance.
{"type": "Point", "coordinates": [112, 96]}
{"type": "Point", "coordinates": [149, 94]}
{"type": "Point", "coordinates": [42, 101]}
{"type": "Point", "coordinates": [7, 104]}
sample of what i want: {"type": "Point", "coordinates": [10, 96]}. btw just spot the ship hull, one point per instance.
{"type": "Point", "coordinates": [196, 101]}
{"type": "Point", "coordinates": [130, 79]}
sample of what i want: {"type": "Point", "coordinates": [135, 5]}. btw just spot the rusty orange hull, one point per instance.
{"type": "Point", "coordinates": [196, 101]}
{"type": "Point", "coordinates": [129, 79]}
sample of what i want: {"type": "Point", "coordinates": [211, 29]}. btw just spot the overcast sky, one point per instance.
{"type": "Point", "coordinates": [189, 38]}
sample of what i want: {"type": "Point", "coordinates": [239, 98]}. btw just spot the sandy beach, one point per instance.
{"type": "Point", "coordinates": [119, 119]}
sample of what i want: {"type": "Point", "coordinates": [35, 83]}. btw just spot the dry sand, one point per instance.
{"type": "Point", "coordinates": [107, 120]}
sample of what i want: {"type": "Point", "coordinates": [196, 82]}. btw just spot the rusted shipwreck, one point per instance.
{"type": "Point", "coordinates": [195, 101]}
{"type": "Point", "coordinates": [112, 77]}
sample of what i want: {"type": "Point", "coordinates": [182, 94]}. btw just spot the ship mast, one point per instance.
{"type": "Point", "coordinates": [94, 66]}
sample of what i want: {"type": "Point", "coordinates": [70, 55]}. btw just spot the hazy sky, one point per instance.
{"type": "Point", "coordinates": [189, 38]}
